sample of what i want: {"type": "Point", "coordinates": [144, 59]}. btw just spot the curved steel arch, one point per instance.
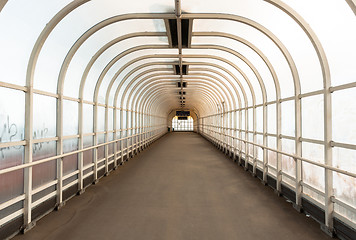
{"type": "Point", "coordinates": [172, 56]}
{"type": "Point", "coordinates": [154, 63]}
{"type": "Point", "coordinates": [109, 21]}
{"type": "Point", "coordinates": [136, 101]}
{"type": "Point", "coordinates": [148, 86]}
{"type": "Point", "coordinates": [117, 58]}
{"type": "Point", "coordinates": [143, 79]}
{"type": "Point", "coordinates": [203, 105]}
{"type": "Point", "coordinates": [206, 96]}
{"type": "Point", "coordinates": [199, 70]}
{"type": "Point", "coordinates": [110, 44]}
{"type": "Point", "coordinates": [244, 59]}
{"type": "Point", "coordinates": [139, 48]}
{"type": "Point", "coordinates": [155, 72]}
{"type": "Point", "coordinates": [117, 90]}
{"type": "Point", "coordinates": [193, 47]}
{"type": "Point", "coordinates": [152, 81]}
{"type": "Point", "coordinates": [147, 16]}
{"type": "Point", "coordinates": [148, 78]}
{"type": "Point", "coordinates": [249, 45]}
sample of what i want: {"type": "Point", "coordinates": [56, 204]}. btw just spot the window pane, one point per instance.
{"type": "Point", "coordinates": [313, 117]}
{"type": "Point", "coordinates": [44, 116]}
{"type": "Point", "coordinates": [12, 115]}
{"type": "Point", "coordinates": [70, 118]}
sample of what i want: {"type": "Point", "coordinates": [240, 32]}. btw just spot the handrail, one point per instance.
{"type": "Point", "coordinates": [26, 165]}
{"type": "Point", "coordinates": [295, 157]}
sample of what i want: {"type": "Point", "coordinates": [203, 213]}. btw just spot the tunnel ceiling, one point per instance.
{"type": "Point", "coordinates": [221, 57]}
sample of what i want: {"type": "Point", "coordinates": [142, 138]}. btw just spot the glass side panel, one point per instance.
{"type": "Point", "coordinates": [101, 119]}
{"type": "Point", "coordinates": [12, 115]}
{"type": "Point", "coordinates": [70, 118]}
{"type": "Point", "coordinates": [250, 119]}
{"type": "Point", "coordinates": [101, 150]}
{"type": "Point", "coordinates": [44, 116]}
{"type": "Point", "coordinates": [259, 151]}
{"type": "Point", "coordinates": [344, 116]}
{"type": "Point", "coordinates": [70, 163]}
{"type": "Point", "coordinates": [12, 123]}
{"type": "Point", "coordinates": [271, 118]}
{"type": "Point", "coordinates": [11, 184]}
{"type": "Point", "coordinates": [288, 118]}
{"type": "Point", "coordinates": [344, 186]}
{"type": "Point", "coordinates": [272, 156]}
{"type": "Point", "coordinates": [88, 118]}
{"type": "Point", "coordinates": [312, 174]}
{"type": "Point", "coordinates": [110, 119]}
{"type": "Point", "coordinates": [259, 119]}
{"type": "Point", "coordinates": [288, 163]}
{"type": "Point", "coordinates": [87, 155]}
{"type": "Point", "coordinates": [313, 117]}
{"type": "Point", "coordinates": [44, 172]}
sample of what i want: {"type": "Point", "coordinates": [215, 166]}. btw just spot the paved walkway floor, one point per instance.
{"type": "Point", "coordinates": [183, 188]}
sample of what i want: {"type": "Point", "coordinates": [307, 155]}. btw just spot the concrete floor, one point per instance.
{"type": "Point", "coordinates": [179, 188]}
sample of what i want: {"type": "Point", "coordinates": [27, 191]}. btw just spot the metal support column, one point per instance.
{"type": "Point", "coordinates": [81, 146]}
{"type": "Point", "coordinates": [60, 151]}
{"type": "Point", "coordinates": [95, 142]}
{"type": "Point", "coordinates": [28, 224]}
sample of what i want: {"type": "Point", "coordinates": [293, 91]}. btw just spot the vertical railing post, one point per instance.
{"type": "Point", "coordinates": [60, 151]}
{"type": "Point", "coordinates": [240, 136]}
{"type": "Point", "coordinates": [265, 156]}
{"type": "Point", "coordinates": [121, 137]}
{"type": "Point", "coordinates": [115, 137]}
{"type": "Point", "coordinates": [298, 185]}
{"type": "Point", "coordinates": [254, 149]}
{"type": "Point", "coordinates": [298, 152]}
{"type": "Point", "coordinates": [81, 146]}
{"type": "Point", "coordinates": [329, 191]}
{"type": "Point", "coordinates": [279, 147]}
{"type": "Point", "coordinates": [246, 138]}
{"type": "Point", "coordinates": [95, 142]}
{"type": "Point", "coordinates": [106, 132]}
{"type": "Point", "coordinates": [28, 224]}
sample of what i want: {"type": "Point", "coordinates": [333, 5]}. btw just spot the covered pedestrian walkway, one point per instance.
{"type": "Point", "coordinates": [180, 188]}
{"type": "Point", "coordinates": [88, 85]}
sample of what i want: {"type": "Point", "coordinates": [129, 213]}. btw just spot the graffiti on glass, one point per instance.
{"type": "Point", "coordinates": [41, 133]}
{"type": "Point", "coordinates": [9, 132]}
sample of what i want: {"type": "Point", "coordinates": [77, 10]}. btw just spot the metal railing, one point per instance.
{"type": "Point", "coordinates": [142, 141]}
{"type": "Point", "coordinates": [207, 128]}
